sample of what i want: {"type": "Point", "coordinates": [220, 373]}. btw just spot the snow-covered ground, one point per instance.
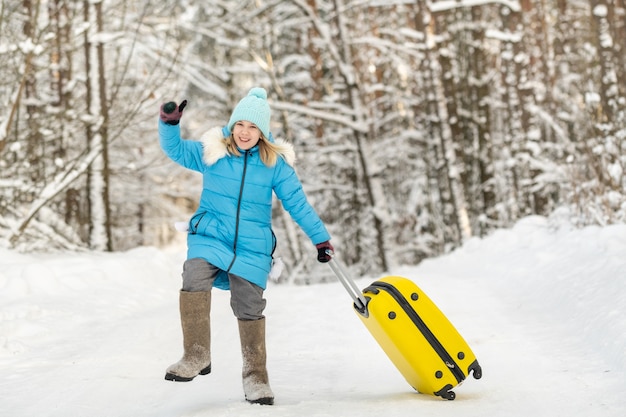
{"type": "Point", "coordinates": [542, 305]}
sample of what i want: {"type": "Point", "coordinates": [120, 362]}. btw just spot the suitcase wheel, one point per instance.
{"type": "Point", "coordinates": [446, 393]}
{"type": "Point", "coordinates": [450, 395]}
{"type": "Point", "coordinates": [476, 370]}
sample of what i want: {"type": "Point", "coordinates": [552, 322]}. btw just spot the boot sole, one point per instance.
{"type": "Point", "coordinates": [262, 401]}
{"type": "Point", "coordinates": [177, 378]}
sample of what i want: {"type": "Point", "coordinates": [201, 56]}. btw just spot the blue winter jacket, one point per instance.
{"type": "Point", "coordinates": [232, 227]}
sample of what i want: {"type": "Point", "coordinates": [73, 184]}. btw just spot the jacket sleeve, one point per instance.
{"type": "Point", "coordinates": [288, 189]}
{"type": "Point", "coordinates": [187, 153]}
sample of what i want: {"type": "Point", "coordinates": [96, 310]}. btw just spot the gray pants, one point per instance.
{"type": "Point", "coordinates": [246, 298]}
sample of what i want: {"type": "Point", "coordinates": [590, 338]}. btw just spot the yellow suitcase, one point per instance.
{"type": "Point", "coordinates": [418, 338]}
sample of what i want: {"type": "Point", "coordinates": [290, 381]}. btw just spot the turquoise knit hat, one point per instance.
{"type": "Point", "coordinates": [254, 109]}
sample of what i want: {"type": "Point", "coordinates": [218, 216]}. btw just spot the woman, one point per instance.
{"type": "Point", "coordinates": [230, 240]}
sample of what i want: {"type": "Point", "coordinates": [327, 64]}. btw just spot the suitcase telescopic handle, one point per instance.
{"type": "Point", "coordinates": [347, 282]}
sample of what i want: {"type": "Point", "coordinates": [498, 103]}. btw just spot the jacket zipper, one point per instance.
{"type": "Point", "coordinates": [422, 327]}
{"type": "Point", "coordinates": [243, 178]}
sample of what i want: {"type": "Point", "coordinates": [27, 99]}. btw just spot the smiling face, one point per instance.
{"type": "Point", "coordinates": [246, 135]}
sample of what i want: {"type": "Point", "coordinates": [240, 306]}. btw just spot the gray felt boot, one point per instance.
{"type": "Point", "coordinates": [195, 308]}
{"type": "Point", "coordinates": [255, 381]}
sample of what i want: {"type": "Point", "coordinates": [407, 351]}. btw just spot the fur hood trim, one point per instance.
{"type": "Point", "coordinates": [215, 147]}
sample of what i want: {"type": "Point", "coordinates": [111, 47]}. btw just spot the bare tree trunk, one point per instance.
{"type": "Point", "coordinates": [619, 37]}
{"type": "Point", "coordinates": [483, 161]}
{"type": "Point", "coordinates": [452, 101]}
{"type": "Point", "coordinates": [514, 127]}
{"type": "Point", "coordinates": [601, 11]}
{"type": "Point", "coordinates": [609, 109]}
{"type": "Point", "coordinates": [60, 74]}
{"type": "Point", "coordinates": [104, 133]}
{"type": "Point", "coordinates": [35, 143]}
{"type": "Point", "coordinates": [316, 73]}
{"type": "Point", "coordinates": [88, 104]}
{"type": "Point", "coordinates": [16, 97]}
{"type": "Point", "coordinates": [100, 231]}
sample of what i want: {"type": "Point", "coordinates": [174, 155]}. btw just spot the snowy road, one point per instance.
{"type": "Point", "coordinates": [544, 311]}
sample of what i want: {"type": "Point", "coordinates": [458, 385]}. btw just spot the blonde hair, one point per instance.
{"type": "Point", "coordinates": [268, 151]}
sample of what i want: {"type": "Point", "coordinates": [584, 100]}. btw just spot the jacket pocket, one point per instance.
{"type": "Point", "coordinates": [194, 222]}
{"type": "Point", "coordinates": [274, 242]}
{"type": "Point", "coordinates": [269, 241]}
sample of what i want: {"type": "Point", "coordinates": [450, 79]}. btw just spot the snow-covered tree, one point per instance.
{"type": "Point", "coordinates": [417, 123]}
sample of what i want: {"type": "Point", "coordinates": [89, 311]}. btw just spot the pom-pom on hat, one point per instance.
{"type": "Point", "coordinates": [254, 109]}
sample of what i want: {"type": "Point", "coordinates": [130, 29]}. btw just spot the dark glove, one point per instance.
{"type": "Point", "coordinates": [325, 251]}
{"type": "Point", "coordinates": [171, 113]}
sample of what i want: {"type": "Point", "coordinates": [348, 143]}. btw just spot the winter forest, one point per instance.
{"type": "Point", "coordinates": [417, 123]}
